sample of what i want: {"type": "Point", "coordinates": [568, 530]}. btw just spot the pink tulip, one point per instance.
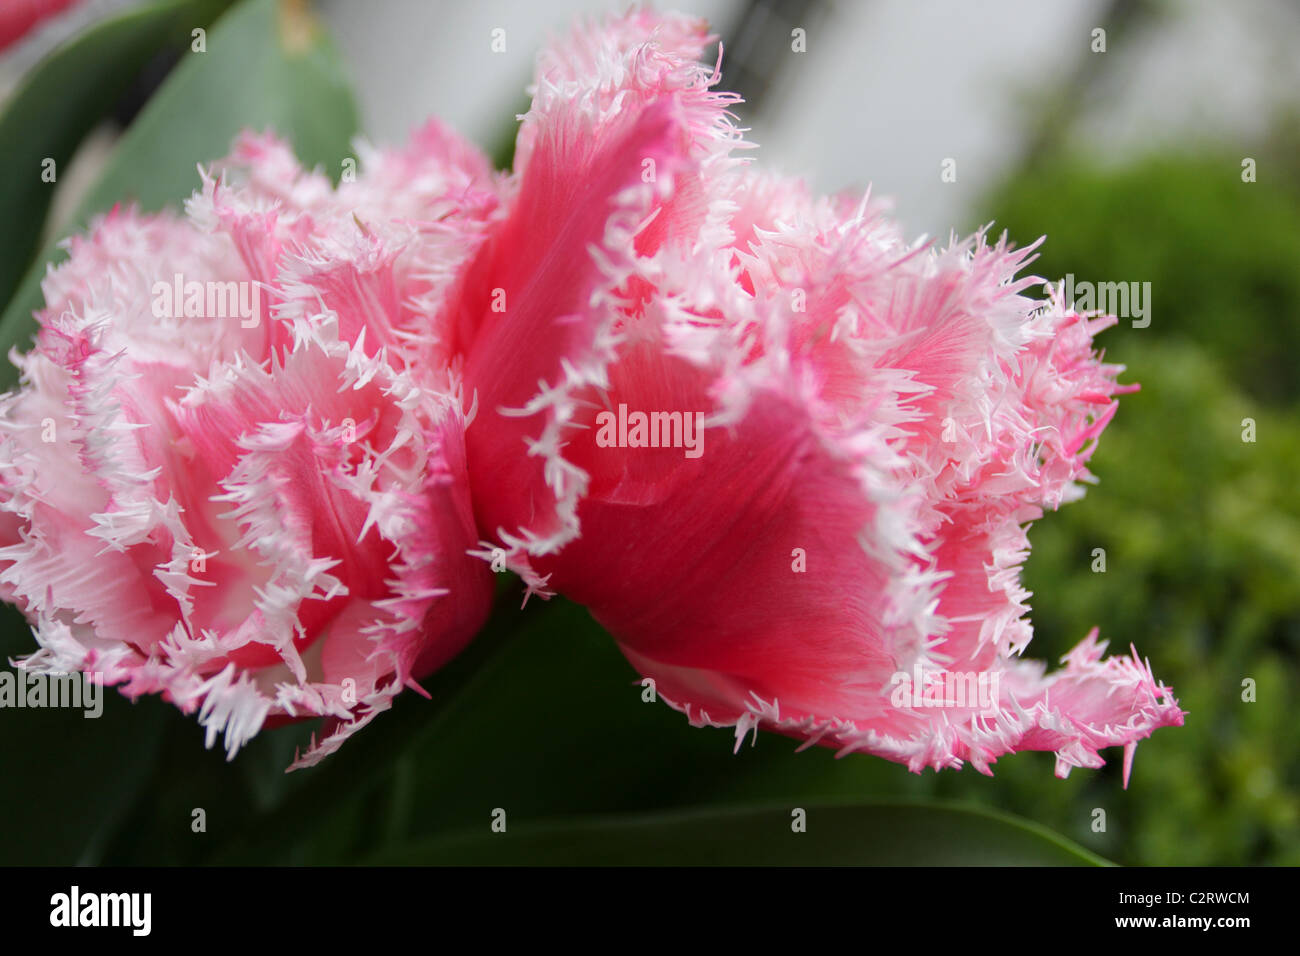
{"type": "Point", "coordinates": [19, 17]}
{"type": "Point", "coordinates": [786, 457]}
{"type": "Point", "coordinates": [836, 555]}
{"type": "Point", "coordinates": [221, 479]}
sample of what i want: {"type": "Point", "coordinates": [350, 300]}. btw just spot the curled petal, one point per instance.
{"type": "Point", "coordinates": [618, 116]}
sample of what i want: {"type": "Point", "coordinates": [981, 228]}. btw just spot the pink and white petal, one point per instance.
{"type": "Point", "coordinates": [600, 154]}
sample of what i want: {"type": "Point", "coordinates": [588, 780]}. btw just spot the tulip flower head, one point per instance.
{"type": "Point", "coordinates": [881, 420]}
{"type": "Point", "coordinates": [221, 481]}
{"type": "Point", "coordinates": [786, 457]}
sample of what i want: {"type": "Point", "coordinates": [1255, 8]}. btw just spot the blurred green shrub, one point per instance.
{"type": "Point", "coordinates": [1222, 256]}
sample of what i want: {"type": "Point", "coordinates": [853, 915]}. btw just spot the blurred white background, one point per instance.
{"type": "Point", "coordinates": [886, 91]}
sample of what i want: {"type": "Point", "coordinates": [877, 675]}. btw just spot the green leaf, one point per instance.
{"type": "Point", "coordinates": [570, 734]}
{"type": "Point", "coordinates": [69, 780]}
{"type": "Point", "coordinates": [319, 796]}
{"type": "Point", "coordinates": [573, 733]}
{"type": "Point", "coordinates": [62, 99]}
{"type": "Point", "coordinates": [265, 67]}
{"type": "Point", "coordinates": [866, 834]}
{"type": "Point", "coordinates": [573, 736]}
